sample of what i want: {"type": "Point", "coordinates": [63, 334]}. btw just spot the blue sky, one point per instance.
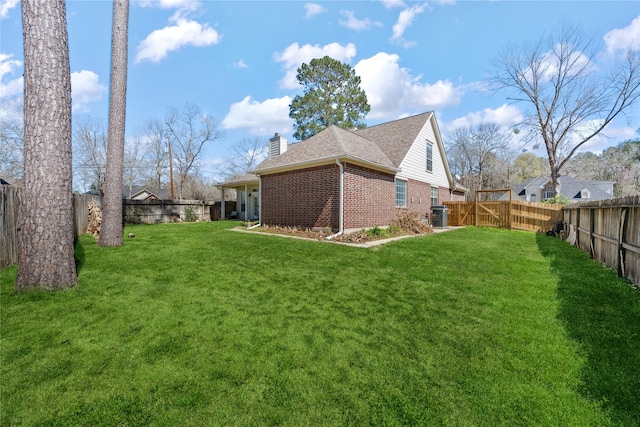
{"type": "Point", "coordinates": [237, 59]}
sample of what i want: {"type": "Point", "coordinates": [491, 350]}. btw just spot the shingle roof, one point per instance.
{"type": "Point", "coordinates": [385, 145]}
{"type": "Point", "coordinates": [395, 138]}
{"type": "Point", "coordinates": [331, 143]}
{"type": "Point", "coordinates": [244, 179]}
{"type": "Point", "coordinates": [571, 188]}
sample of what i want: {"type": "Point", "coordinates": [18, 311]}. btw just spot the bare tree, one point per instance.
{"type": "Point", "coordinates": [472, 148]}
{"type": "Point", "coordinates": [45, 247]}
{"type": "Point", "coordinates": [134, 158]}
{"type": "Point", "coordinates": [90, 151]}
{"type": "Point", "coordinates": [571, 103]}
{"type": "Point", "coordinates": [188, 131]}
{"type": "Point", "coordinates": [246, 154]}
{"type": "Point", "coordinates": [11, 136]}
{"type": "Point", "coordinates": [111, 229]}
{"type": "Point", "coordinates": [156, 155]}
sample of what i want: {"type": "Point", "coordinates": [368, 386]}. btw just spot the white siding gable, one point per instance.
{"type": "Point", "coordinates": [414, 165]}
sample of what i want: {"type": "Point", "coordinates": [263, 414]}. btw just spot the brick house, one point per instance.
{"type": "Point", "coordinates": [342, 179]}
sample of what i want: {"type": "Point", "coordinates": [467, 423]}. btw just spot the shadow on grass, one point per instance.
{"type": "Point", "coordinates": [601, 313]}
{"type": "Point", "coordinates": [79, 256]}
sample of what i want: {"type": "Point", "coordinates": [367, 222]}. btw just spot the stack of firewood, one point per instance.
{"type": "Point", "coordinates": [95, 218]}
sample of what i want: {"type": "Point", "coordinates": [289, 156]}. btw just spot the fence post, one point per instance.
{"type": "Point", "coordinates": [475, 215]}
{"type": "Point", "coordinates": [621, 249]}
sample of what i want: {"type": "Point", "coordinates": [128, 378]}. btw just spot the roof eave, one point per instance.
{"type": "Point", "coordinates": [324, 161]}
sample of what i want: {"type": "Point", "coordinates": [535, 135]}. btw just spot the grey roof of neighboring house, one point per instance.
{"type": "Point", "coordinates": [127, 192]}
{"type": "Point", "coordinates": [331, 143]}
{"type": "Point", "coordinates": [569, 186]}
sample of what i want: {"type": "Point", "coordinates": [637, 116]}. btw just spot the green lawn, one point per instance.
{"type": "Point", "coordinates": [193, 325]}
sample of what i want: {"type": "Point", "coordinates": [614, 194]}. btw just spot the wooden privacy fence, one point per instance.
{"type": "Point", "coordinates": [163, 211]}
{"type": "Point", "coordinates": [9, 207]}
{"type": "Point", "coordinates": [9, 220]}
{"type": "Point", "coordinates": [609, 231]}
{"type": "Point", "coordinates": [514, 215]}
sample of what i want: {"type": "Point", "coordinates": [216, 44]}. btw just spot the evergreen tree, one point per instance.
{"type": "Point", "coordinates": [332, 96]}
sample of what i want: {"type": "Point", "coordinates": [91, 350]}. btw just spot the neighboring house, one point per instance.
{"type": "Point", "coordinates": [342, 179]}
{"type": "Point", "coordinates": [3, 182]}
{"type": "Point", "coordinates": [539, 189]}
{"type": "Point", "coordinates": [143, 193]}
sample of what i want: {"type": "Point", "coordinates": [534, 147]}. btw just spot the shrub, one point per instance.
{"type": "Point", "coordinates": [190, 214]}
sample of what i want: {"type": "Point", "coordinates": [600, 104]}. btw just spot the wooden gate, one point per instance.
{"type": "Point", "coordinates": [510, 214]}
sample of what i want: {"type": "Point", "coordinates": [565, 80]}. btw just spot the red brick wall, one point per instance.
{"type": "Point", "coordinates": [418, 197]}
{"type": "Point", "coordinates": [310, 197]}
{"type": "Point", "coordinates": [304, 198]}
{"type": "Point", "coordinates": [369, 197]}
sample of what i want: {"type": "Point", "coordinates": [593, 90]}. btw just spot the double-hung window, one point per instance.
{"type": "Point", "coordinates": [434, 196]}
{"type": "Point", "coordinates": [429, 157]}
{"type": "Point", "coordinates": [401, 193]}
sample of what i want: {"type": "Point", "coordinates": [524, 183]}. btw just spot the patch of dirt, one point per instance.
{"type": "Point", "coordinates": [405, 224]}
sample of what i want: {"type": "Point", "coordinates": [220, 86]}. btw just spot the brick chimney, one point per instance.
{"type": "Point", "coordinates": [277, 145]}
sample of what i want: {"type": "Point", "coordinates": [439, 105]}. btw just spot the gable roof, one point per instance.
{"type": "Point", "coordinates": [572, 188]}
{"type": "Point", "coordinates": [327, 146]}
{"type": "Point", "coordinates": [569, 186]}
{"type": "Point", "coordinates": [396, 138]}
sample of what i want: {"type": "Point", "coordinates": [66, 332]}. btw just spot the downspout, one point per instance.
{"type": "Point", "coordinates": [259, 204]}
{"type": "Point", "coordinates": [340, 203]}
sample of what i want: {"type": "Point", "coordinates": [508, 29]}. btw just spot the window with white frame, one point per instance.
{"type": "Point", "coordinates": [429, 157]}
{"type": "Point", "coordinates": [401, 193]}
{"type": "Point", "coordinates": [585, 193]}
{"type": "Point", "coordinates": [434, 196]}
{"type": "Point", "coordinates": [548, 193]}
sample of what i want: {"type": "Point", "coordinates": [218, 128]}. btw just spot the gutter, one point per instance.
{"type": "Point", "coordinates": [340, 204]}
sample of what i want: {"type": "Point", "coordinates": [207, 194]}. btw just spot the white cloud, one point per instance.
{"type": "Point", "coordinates": [8, 66]}
{"type": "Point", "coordinates": [505, 116]}
{"type": "Point", "coordinates": [405, 19]}
{"type": "Point", "coordinates": [295, 55]}
{"type": "Point", "coordinates": [392, 91]}
{"type": "Point", "coordinates": [85, 88]}
{"type": "Point", "coordinates": [313, 9]}
{"type": "Point", "coordinates": [624, 38]}
{"type": "Point", "coordinates": [354, 23]}
{"type": "Point", "coordinates": [160, 42]}
{"type": "Point", "coordinates": [240, 64]}
{"type": "Point", "coordinates": [392, 3]}
{"type": "Point", "coordinates": [6, 6]}
{"type": "Point", "coordinates": [260, 118]}
{"type": "Point", "coordinates": [170, 4]}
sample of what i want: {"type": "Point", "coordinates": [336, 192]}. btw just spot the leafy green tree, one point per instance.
{"type": "Point", "coordinates": [528, 165]}
{"type": "Point", "coordinates": [332, 96]}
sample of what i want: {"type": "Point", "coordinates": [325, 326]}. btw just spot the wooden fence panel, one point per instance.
{"type": "Point", "coordinates": [631, 243]}
{"type": "Point", "coordinates": [9, 210]}
{"type": "Point", "coordinates": [538, 217]}
{"type": "Point", "coordinates": [9, 220]}
{"type": "Point", "coordinates": [609, 231]}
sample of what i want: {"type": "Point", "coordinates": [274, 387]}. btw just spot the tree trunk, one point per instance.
{"type": "Point", "coordinates": [111, 230]}
{"type": "Point", "coordinates": [46, 248]}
